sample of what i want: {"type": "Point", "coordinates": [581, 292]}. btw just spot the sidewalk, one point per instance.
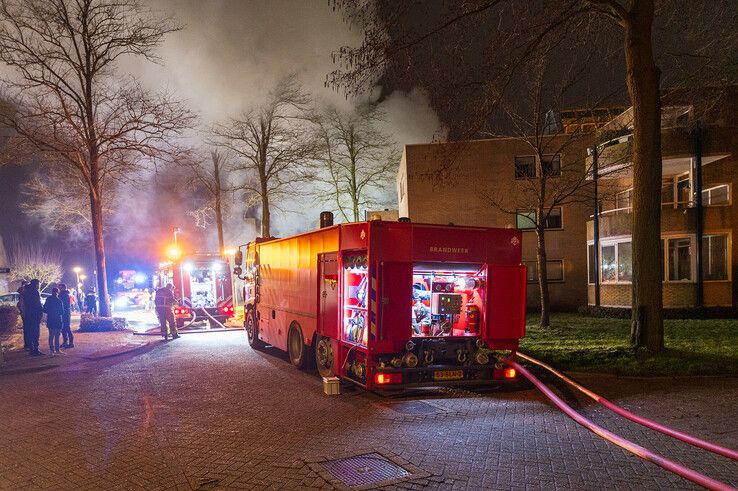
{"type": "Point", "coordinates": [88, 346]}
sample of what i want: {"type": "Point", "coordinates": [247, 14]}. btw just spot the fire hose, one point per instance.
{"type": "Point", "coordinates": [631, 447]}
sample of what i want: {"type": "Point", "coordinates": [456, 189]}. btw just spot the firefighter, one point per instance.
{"type": "Point", "coordinates": [66, 331]}
{"type": "Point", "coordinates": [33, 312]}
{"type": "Point", "coordinates": [164, 302]}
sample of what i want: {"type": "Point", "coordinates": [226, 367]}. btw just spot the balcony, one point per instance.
{"type": "Point", "coordinates": [618, 222]}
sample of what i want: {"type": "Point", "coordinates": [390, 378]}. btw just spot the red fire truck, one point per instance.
{"type": "Point", "coordinates": [202, 282]}
{"type": "Point", "coordinates": [389, 304]}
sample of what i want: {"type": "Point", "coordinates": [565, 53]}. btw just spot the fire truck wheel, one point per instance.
{"type": "Point", "coordinates": [324, 357]}
{"type": "Point", "coordinates": [296, 347]}
{"type": "Point", "coordinates": [252, 333]}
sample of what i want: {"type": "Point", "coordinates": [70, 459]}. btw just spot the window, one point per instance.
{"type": "Point", "coordinates": [591, 261]}
{"type": "Point", "coordinates": [525, 167]}
{"type": "Point", "coordinates": [554, 270]}
{"type": "Point", "coordinates": [608, 264]}
{"type": "Point", "coordinates": [616, 261]}
{"type": "Point", "coordinates": [623, 199]}
{"type": "Point", "coordinates": [716, 195]}
{"type": "Point", "coordinates": [680, 259]}
{"type": "Point", "coordinates": [526, 219]}
{"type": "Point", "coordinates": [554, 219]}
{"type": "Point", "coordinates": [667, 192]}
{"type": "Point", "coordinates": [715, 257]}
{"type": "Point", "coordinates": [683, 189]}
{"type": "Point", "coordinates": [551, 165]}
{"type": "Point", "coordinates": [625, 261]}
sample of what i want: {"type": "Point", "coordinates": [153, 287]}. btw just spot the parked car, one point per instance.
{"type": "Point", "coordinates": [13, 297]}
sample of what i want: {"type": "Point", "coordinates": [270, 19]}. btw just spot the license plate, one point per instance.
{"type": "Point", "coordinates": [448, 374]}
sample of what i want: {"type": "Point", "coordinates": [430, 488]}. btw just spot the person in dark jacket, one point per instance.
{"type": "Point", "coordinates": [91, 302]}
{"type": "Point", "coordinates": [54, 313]}
{"type": "Point", "coordinates": [34, 312]}
{"type": "Point", "coordinates": [66, 332]}
{"type": "Point", "coordinates": [164, 303]}
{"type": "Point", "coordinates": [26, 344]}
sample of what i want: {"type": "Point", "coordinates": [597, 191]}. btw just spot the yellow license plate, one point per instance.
{"type": "Point", "coordinates": [448, 374]}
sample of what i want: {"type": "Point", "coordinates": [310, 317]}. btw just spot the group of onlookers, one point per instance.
{"type": "Point", "coordinates": [58, 310]}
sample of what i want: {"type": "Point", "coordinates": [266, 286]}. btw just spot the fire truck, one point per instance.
{"type": "Point", "coordinates": [203, 285]}
{"type": "Point", "coordinates": [389, 304]}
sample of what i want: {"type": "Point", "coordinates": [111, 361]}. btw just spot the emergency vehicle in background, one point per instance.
{"type": "Point", "coordinates": [203, 285]}
{"type": "Point", "coordinates": [388, 304]}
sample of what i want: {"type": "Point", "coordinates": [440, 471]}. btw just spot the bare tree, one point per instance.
{"type": "Point", "coordinates": [356, 159]}
{"type": "Point", "coordinates": [59, 201]}
{"type": "Point", "coordinates": [270, 144]}
{"type": "Point", "coordinates": [31, 261]}
{"type": "Point", "coordinates": [212, 180]}
{"type": "Point", "coordinates": [516, 30]}
{"type": "Point", "coordinates": [71, 108]}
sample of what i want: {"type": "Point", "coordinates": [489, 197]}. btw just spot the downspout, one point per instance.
{"type": "Point", "coordinates": [699, 222]}
{"type": "Point", "coordinates": [596, 227]}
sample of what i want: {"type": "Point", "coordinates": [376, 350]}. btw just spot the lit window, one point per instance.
{"type": "Point", "coordinates": [608, 264]}
{"type": "Point", "coordinates": [525, 167]}
{"type": "Point", "coordinates": [680, 259]}
{"type": "Point", "coordinates": [684, 189]}
{"type": "Point", "coordinates": [715, 257]}
{"type": "Point", "coordinates": [623, 199]}
{"type": "Point", "coordinates": [625, 263]}
{"type": "Point", "coordinates": [525, 219]}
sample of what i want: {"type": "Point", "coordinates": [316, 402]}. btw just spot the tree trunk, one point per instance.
{"type": "Point", "coordinates": [643, 86]}
{"type": "Point", "coordinates": [545, 320]}
{"type": "Point", "coordinates": [99, 241]}
{"type": "Point", "coordinates": [265, 214]}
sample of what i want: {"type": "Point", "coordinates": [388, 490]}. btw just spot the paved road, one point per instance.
{"type": "Point", "coordinates": [206, 412]}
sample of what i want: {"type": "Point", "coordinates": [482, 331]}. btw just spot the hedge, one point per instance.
{"type": "Point", "coordinates": [91, 323]}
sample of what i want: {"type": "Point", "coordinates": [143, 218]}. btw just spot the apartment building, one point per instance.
{"type": "Point", "coordinates": [491, 183]}
{"type": "Point", "coordinates": [699, 215]}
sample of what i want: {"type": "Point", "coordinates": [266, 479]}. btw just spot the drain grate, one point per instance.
{"type": "Point", "coordinates": [365, 470]}
{"type": "Point", "coordinates": [413, 407]}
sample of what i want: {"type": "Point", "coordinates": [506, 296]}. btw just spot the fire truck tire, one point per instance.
{"type": "Point", "coordinates": [296, 348]}
{"type": "Point", "coordinates": [252, 332]}
{"type": "Point", "coordinates": [324, 356]}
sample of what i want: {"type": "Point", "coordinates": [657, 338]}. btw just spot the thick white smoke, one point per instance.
{"type": "Point", "coordinates": [229, 54]}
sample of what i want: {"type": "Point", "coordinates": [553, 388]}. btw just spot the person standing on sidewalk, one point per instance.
{"type": "Point", "coordinates": [34, 312]}
{"type": "Point", "coordinates": [54, 314]}
{"type": "Point", "coordinates": [164, 303]}
{"type": "Point", "coordinates": [66, 331]}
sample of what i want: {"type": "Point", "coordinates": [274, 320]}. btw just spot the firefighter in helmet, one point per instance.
{"type": "Point", "coordinates": [164, 302]}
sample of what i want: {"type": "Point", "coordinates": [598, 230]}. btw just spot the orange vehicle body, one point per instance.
{"type": "Point", "coordinates": [372, 293]}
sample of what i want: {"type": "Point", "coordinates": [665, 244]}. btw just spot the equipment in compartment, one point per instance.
{"type": "Point", "coordinates": [356, 294]}
{"type": "Point", "coordinates": [446, 303]}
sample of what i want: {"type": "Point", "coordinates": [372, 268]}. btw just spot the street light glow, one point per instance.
{"type": "Point", "coordinates": [174, 252]}
{"type": "Point", "coordinates": [77, 269]}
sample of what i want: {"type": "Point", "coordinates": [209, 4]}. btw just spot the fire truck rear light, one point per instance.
{"type": "Point", "coordinates": [387, 378]}
{"type": "Point", "coordinates": [510, 373]}
{"type": "Point", "coordinates": [181, 311]}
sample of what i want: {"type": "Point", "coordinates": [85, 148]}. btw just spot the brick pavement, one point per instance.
{"type": "Point", "coordinates": [206, 412]}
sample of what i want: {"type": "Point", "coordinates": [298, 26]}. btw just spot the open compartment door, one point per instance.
{"type": "Point", "coordinates": [504, 322]}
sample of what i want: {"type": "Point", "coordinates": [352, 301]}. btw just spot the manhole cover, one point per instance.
{"type": "Point", "coordinates": [363, 470]}
{"type": "Point", "coordinates": [413, 407]}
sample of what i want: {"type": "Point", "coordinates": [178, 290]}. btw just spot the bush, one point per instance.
{"type": "Point", "coordinates": [9, 317]}
{"type": "Point", "coordinates": [92, 323]}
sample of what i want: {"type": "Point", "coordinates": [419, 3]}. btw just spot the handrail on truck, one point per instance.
{"type": "Point", "coordinates": [644, 453]}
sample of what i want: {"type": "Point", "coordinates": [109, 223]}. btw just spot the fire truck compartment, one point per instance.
{"type": "Point", "coordinates": [447, 300]}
